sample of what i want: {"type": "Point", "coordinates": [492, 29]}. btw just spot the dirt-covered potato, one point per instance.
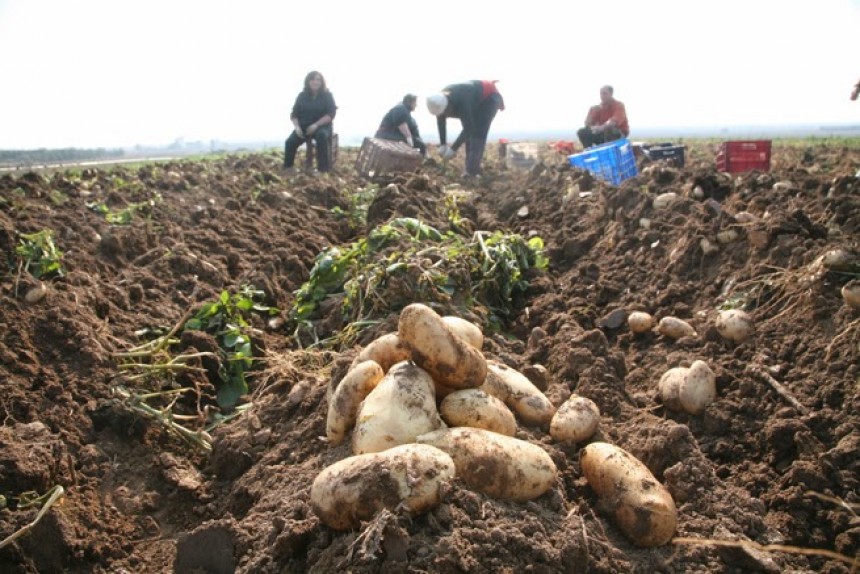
{"type": "Point", "coordinates": [640, 322]}
{"type": "Point", "coordinates": [519, 393]}
{"type": "Point", "coordinates": [575, 420]}
{"type": "Point", "coordinates": [356, 488]}
{"type": "Point", "coordinates": [499, 466]}
{"type": "Point", "coordinates": [450, 360]}
{"type": "Point", "coordinates": [475, 408]}
{"type": "Point", "coordinates": [734, 324]}
{"type": "Point", "coordinates": [466, 330]}
{"type": "Point", "coordinates": [699, 388]}
{"type": "Point", "coordinates": [344, 402]}
{"type": "Point", "coordinates": [641, 506]}
{"type": "Point", "coordinates": [670, 385]}
{"type": "Point", "coordinates": [401, 407]}
{"type": "Point", "coordinates": [675, 328]}
{"type": "Point", "coordinates": [387, 350]}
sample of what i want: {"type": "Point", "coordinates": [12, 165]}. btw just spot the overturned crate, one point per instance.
{"type": "Point", "coordinates": [378, 156]}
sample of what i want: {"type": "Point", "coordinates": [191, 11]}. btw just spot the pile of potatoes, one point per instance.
{"type": "Point", "coordinates": [405, 448]}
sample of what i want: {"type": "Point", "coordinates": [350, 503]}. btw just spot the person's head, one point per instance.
{"type": "Point", "coordinates": [606, 94]}
{"type": "Point", "coordinates": [314, 82]}
{"type": "Point", "coordinates": [410, 101]}
{"type": "Point", "coordinates": [436, 104]}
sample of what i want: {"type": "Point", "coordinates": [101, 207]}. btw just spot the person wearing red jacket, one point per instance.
{"type": "Point", "coordinates": [605, 122]}
{"type": "Point", "coordinates": [475, 104]}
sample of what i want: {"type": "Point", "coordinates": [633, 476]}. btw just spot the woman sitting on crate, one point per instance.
{"type": "Point", "coordinates": [475, 104]}
{"type": "Point", "coordinates": [312, 115]}
{"type": "Point", "coordinates": [605, 122]}
{"type": "Point", "coordinates": [399, 125]}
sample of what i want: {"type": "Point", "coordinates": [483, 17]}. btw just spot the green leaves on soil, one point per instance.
{"type": "Point", "coordinates": [39, 255]}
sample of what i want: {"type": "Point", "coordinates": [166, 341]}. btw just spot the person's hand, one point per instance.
{"type": "Point", "coordinates": [311, 130]}
{"type": "Point", "coordinates": [300, 133]}
{"type": "Point", "coordinates": [446, 152]}
{"type": "Point", "coordinates": [410, 142]}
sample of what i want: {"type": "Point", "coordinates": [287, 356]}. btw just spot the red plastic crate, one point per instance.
{"type": "Point", "coordinates": [740, 156]}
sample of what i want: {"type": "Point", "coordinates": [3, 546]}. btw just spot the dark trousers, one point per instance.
{"type": "Point", "coordinates": [476, 142]}
{"type": "Point", "coordinates": [322, 139]}
{"type": "Point", "coordinates": [590, 138]}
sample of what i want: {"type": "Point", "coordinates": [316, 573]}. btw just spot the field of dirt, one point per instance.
{"type": "Point", "coordinates": [775, 460]}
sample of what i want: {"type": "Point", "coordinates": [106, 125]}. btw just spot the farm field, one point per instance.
{"type": "Point", "coordinates": [172, 366]}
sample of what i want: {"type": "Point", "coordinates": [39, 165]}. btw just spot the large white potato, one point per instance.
{"type": "Point", "coordinates": [497, 465]}
{"type": "Point", "coordinates": [642, 507]}
{"type": "Point", "coordinates": [519, 393]}
{"type": "Point", "coordinates": [356, 488]}
{"type": "Point", "coordinates": [734, 324]}
{"type": "Point", "coordinates": [344, 402]}
{"type": "Point", "coordinates": [575, 420]}
{"type": "Point", "coordinates": [450, 360]}
{"type": "Point", "coordinates": [466, 330]}
{"type": "Point", "coordinates": [475, 408]}
{"type": "Point", "coordinates": [387, 350]}
{"type": "Point", "coordinates": [401, 407]}
{"type": "Point", "coordinates": [699, 388]}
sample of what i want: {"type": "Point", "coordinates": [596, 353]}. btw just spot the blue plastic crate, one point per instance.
{"type": "Point", "coordinates": [612, 162]}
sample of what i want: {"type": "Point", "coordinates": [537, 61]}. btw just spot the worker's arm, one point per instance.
{"type": "Point", "coordinates": [404, 131]}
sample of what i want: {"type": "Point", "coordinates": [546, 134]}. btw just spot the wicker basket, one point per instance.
{"type": "Point", "coordinates": [384, 156]}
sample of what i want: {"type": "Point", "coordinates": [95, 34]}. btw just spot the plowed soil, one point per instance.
{"type": "Point", "coordinates": [758, 465]}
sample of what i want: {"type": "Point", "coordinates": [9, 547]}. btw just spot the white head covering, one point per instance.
{"type": "Point", "coordinates": [436, 104]}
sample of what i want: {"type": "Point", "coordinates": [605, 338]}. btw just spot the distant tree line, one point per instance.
{"type": "Point", "coordinates": [62, 155]}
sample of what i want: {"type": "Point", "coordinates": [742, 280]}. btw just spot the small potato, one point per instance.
{"type": "Point", "coordinates": [499, 466]}
{"type": "Point", "coordinates": [466, 330]}
{"type": "Point", "coordinates": [675, 328]}
{"type": "Point", "coordinates": [851, 293]}
{"type": "Point", "coordinates": [576, 420]}
{"type": "Point", "coordinates": [36, 294]}
{"type": "Point", "coordinates": [734, 325]}
{"type": "Point", "coordinates": [344, 402]}
{"type": "Point", "coordinates": [670, 385]}
{"type": "Point", "coordinates": [356, 488]}
{"type": "Point", "coordinates": [664, 200]}
{"type": "Point", "coordinates": [401, 407]}
{"type": "Point", "coordinates": [475, 408]}
{"type": "Point", "coordinates": [519, 393]}
{"type": "Point", "coordinates": [699, 388]}
{"type": "Point", "coordinates": [640, 322]}
{"type": "Point", "coordinates": [642, 507]}
{"type": "Point", "coordinates": [449, 359]}
{"type": "Point", "coordinates": [387, 350]}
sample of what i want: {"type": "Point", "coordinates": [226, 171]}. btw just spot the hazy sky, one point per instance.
{"type": "Point", "coordinates": [93, 73]}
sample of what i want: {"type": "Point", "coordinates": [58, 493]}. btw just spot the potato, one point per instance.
{"type": "Point", "coordinates": [356, 488]}
{"type": "Point", "coordinates": [851, 293]}
{"type": "Point", "coordinates": [734, 325]}
{"type": "Point", "coordinates": [475, 408]}
{"type": "Point", "coordinates": [499, 466]}
{"type": "Point", "coordinates": [449, 359]}
{"type": "Point", "coordinates": [675, 328]}
{"type": "Point", "coordinates": [387, 350]}
{"type": "Point", "coordinates": [344, 402]}
{"type": "Point", "coordinates": [401, 407]}
{"type": "Point", "coordinates": [466, 330]}
{"type": "Point", "coordinates": [519, 393]}
{"type": "Point", "coordinates": [688, 389]}
{"type": "Point", "coordinates": [699, 388]}
{"type": "Point", "coordinates": [664, 200]}
{"type": "Point", "coordinates": [36, 293]}
{"type": "Point", "coordinates": [576, 420]}
{"type": "Point", "coordinates": [670, 385]}
{"type": "Point", "coordinates": [641, 506]}
{"type": "Point", "coordinates": [640, 322]}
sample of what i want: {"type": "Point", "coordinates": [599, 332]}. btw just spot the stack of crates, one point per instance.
{"type": "Point", "coordinates": [665, 151]}
{"type": "Point", "coordinates": [740, 156]}
{"type": "Point", "coordinates": [612, 162]}
{"type": "Point", "coordinates": [378, 156]}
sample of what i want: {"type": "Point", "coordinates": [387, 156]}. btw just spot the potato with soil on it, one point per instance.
{"type": "Point", "coordinates": [356, 488]}
{"type": "Point", "coordinates": [451, 361]}
{"type": "Point", "coordinates": [466, 330]}
{"type": "Point", "coordinates": [475, 408]}
{"type": "Point", "coordinates": [851, 293]}
{"type": "Point", "coordinates": [401, 407]}
{"type": "Point", "coordinates": [734, 325]}
{"type": "Point", "coordinates": [688, 389]}
{"type": "Point", "coordinates": [641, 506]}
{"type": "Point", "coordinates": [675, 328]}
{"type": "Point", "coordinates": [519, 393]}
{"type": "Point", "coordinates": [347, 397]}
{"type": "Point", "coordinates": [640, 322]}
{"type": "Point", "coordinates": [500, 466]}
{"type": "Point", "coordinates": [387, 350]}
{"type": "Point", "coordinates": [576, 420]}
